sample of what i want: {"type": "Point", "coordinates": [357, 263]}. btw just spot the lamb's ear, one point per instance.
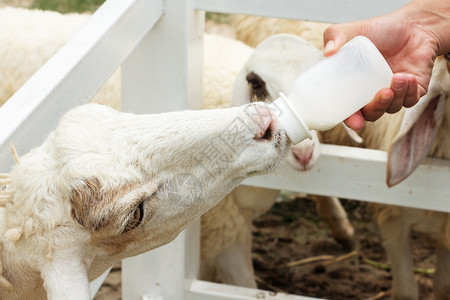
{"type": "Point", "coordinates": [248, 87]}
{"type": "Point", "coordinates": [258, 89]}
{"type": "Point", "coordinates": [416, 136]}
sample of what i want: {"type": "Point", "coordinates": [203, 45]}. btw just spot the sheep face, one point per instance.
{"type": "Point", "coordinates": [271, 69]}
{"type": "Point", "coordinates": [163, 185]}
{"type": "Point", "coordinates": [113, 185]}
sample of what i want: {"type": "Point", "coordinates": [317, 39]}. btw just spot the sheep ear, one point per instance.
{"type": "Point", "coordinates": [257, 86]}
{"type": "Point", "coordinates": [416, 136]}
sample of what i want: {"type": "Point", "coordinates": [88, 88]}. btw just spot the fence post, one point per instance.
{"type": "Point", "coordinates": [162, 74]}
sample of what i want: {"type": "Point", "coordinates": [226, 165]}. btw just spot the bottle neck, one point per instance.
{"type": "Point", "coordinates": [290, 120]}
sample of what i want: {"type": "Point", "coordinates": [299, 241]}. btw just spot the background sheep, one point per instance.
{"type": "Point", "coordinates": [28, 38]}
{"type": "Point", "coordinates": [226, 229]}
{"type": "Point", "coordinates": [396, 223]}
{"type": "Point", "coordinates": [252, 30]}
{"type": "Point", "coordinates": [409, 137]}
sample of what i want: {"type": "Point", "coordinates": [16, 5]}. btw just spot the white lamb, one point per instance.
{"type": "Point", "coordinates": [107, 185]}
{"type": "Point", "coordinates": [226, 229]}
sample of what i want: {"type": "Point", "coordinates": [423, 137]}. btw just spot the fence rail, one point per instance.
{"type": "Point", "coordinates": [328, 11]}
{"type": "Point", "coordinates": [158, 43]}
{"type": "Point", "coordinates": [360, 174]}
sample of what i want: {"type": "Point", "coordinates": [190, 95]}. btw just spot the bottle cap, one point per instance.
{"type": "Point", "coordinates": [290, 120]}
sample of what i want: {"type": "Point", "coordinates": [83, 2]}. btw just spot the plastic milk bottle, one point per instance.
{"type": "Point", "coordinates": [333, 89]}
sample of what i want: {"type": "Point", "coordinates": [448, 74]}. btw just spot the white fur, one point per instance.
{"type": "Point", "coordinates": [28, 38]}
{"type": "Point", "coordinates": [252, 30]}
{"type": "Point", "coordinates": [223, 58]}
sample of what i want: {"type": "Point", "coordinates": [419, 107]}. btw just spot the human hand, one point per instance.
{"type": "Point", "coordinates": [408, 47]}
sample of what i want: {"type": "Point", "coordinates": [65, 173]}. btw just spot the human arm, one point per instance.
{"type": "Point", "coordinates": [409, 39]}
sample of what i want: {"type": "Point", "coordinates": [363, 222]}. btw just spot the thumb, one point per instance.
{"type": "Point", "coordinates": [335, 36]}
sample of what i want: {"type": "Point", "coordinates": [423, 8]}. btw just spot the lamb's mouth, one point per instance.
{"type": "Point", "coordinates": [281, 144]}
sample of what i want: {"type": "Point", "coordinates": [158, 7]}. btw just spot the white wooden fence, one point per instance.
{"type": "Point", "coordinates": [158, 43]}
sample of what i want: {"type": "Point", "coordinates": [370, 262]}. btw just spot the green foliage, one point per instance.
{"type": "Point", "coordinates": [218, 17]}
{"type": "Point", "coordinates": [66, 6]}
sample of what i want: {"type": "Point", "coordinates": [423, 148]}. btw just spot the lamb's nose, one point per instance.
{"type": "Point", "coordinates": [263, 118]}
{"type": "Point", "coordinates": [303, 156]}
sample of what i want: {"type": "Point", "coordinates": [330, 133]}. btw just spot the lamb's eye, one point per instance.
{"type": "Point", "coordinates": [137, 217]}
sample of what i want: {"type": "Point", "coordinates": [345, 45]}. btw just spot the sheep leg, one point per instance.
{"type": "Point", "coordinates": [235, 266]}
{"type": "Point", "coordinates": [207, 270]}
{"type": "Point", "coordinates": [333, 213]}
{"type": "Point", "coordinates": [396, 241]}
{"type": "Point", "coordinates": [65, 275]}
{"type": "Point", "coordinates": [442, 274]}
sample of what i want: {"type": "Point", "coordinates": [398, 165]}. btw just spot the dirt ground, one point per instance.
{"type": "Point", "coordinates": [292, 232]}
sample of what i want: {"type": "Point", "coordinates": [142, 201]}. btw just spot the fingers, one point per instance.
{"type": "Point", "coordinates": [355, 121]}
{"type": "Point", "coordinates": [399, 86]}
{"type": "Point", "coordinates": [405, 90]}
{"type": "Point", "coordinates": [412, 94]}
{"type": "Point", "coordinates": [335, 37]}
{"type": "Point", "coordinates": [402, 93]}
{"type": "Point", "coordinates": [378, 106]}
{"type": "Point", "coordinates": [372, 111]}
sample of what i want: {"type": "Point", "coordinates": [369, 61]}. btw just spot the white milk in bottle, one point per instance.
{"type": "Point", "coordinates": [333, 89]}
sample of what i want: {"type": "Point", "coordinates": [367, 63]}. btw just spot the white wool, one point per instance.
{"type": "Point", "coordinates": [223, 59]}
{"type": "Point", "coordinates": [28, 38]}
{"type": "Point", "coordinates": [252, 29]}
